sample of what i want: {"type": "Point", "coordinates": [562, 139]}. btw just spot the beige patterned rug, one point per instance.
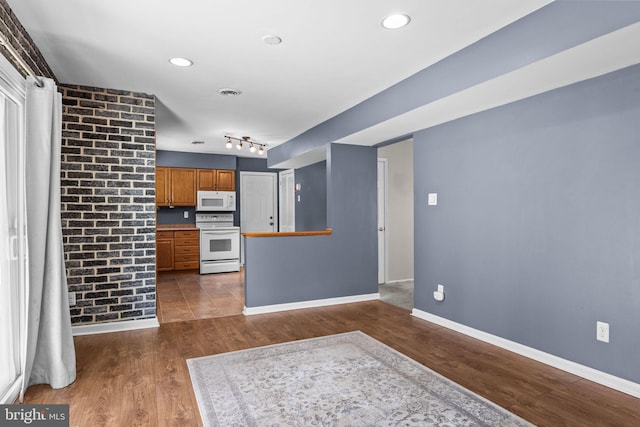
{"type": "Point", "coordinates": [347, 379]}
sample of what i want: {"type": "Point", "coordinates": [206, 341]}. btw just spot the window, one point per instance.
{"type": "Point", "coordinates": [12, 230]}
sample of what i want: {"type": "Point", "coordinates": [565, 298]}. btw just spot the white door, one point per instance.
{"type": "Point", "coordinates": [12, 231]}
{"type": "Point", "coordinates": [382, 223]}
{"type": "Point", "coordinates": [258, 201]}
{"type": "Point", "coordinates": [286, 200]}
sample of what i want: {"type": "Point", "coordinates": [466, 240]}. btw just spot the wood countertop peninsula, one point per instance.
{"type": "Point", "coordinates": [326, 232]}
{"type": "Point", "coordinates": [176, 227]}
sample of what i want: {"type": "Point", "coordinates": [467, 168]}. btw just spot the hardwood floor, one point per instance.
{"type": "Point", "coordinates": [140, 378]}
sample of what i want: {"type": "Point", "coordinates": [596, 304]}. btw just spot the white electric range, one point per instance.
{"type": "Point", "coordinates": [219, 243]}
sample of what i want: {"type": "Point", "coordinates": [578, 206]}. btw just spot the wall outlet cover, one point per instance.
{"type": "Point", "coordinates": [72, 299]}
{"type": "Point", "coordinates": [602, 331]}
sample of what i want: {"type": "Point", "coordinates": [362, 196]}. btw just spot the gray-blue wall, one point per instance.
{"type": "Point", "coordinates": [282, 270]}
{"type": "Point", "coordinates": [536, 234]}
{"type": "Point", "coordinates": [311, 210]}
{"type": "Point", "coordinates": [179, 159]}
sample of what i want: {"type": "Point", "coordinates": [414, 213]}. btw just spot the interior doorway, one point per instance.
{"type": "Point", "coordinates": [395, 223]}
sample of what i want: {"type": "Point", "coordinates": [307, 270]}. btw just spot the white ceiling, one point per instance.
{"type": "Point", "coordinates": [334, 55]}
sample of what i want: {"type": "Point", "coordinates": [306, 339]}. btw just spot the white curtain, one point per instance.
{"type": "Point", "coordinates": [50, 355]}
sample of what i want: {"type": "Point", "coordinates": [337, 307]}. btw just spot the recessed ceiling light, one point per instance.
{"type": "Point", "coordinates": [393, 22]}
{"type": "Point", "coordinates": [181, 62]}
{"type": "Point", "coordinates": [271, 39]}
{"type": "Point", "coordinates": [227, 91]}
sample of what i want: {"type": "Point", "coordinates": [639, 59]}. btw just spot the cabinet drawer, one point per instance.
{"type": "Point", "coordinates": [186, 258]}
{"type": "Point", "coordinates": [181, 241]}
{"type": "Point", "coordinates": [187, 265]}
{"type": "Point", "coordinates": [164, 235]}
{"type": "Point", "coordinates": [187, 250]}
{"type": "Point", "coordinates": [187, 234]}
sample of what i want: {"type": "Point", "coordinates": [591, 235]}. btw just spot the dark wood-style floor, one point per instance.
{"type": "Point", "coordinates": [140, 378]}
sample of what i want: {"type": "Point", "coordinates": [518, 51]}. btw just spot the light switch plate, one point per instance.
{"type": "Point", "coordinates": [432, 199]}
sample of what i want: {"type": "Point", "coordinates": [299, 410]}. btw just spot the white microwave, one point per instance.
{"type": "Point", "coordinates": [216, 201]}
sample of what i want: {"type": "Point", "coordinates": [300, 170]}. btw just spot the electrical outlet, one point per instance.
{"type": "Point", "coordinates": [72, 299]}
{"type": "Point", "coordinates": [602, 331]}
{"type": "Point", "coordinates": [186, 214]}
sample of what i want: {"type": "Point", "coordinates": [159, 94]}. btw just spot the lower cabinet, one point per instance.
{"type": "Point", "coordinates": [186, 250]}
{"type": "Point", "coordinates": [164, 250]}
{"type": "Point", "coordinates": [177, 250]}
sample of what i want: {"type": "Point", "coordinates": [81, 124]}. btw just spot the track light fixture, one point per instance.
{"type": "Point", "coordinates": [245, 139]}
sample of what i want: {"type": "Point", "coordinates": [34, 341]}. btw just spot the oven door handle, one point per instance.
{"type": "Point", "coordinates": [218, 232]}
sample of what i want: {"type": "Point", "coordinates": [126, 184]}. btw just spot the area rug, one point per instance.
{"type": "Point", "coordinates": [347, 379]}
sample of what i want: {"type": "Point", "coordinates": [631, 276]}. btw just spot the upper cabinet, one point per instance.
{"type": "Point", "coordinates": [178, 186]}
{"type": "Point", "coordinates": [226, 180]}
{"type": "Point", "coordinates": [206, 179]}
{"type": "Point", "coordinates": [175, 186]}
{"type": "Point", "coordinates": [163, 183]}
{"type": "Point", "coordinates": [216, 180]}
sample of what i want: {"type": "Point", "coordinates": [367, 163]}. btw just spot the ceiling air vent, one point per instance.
{"type": "Point", "coordinates": [229, 92]}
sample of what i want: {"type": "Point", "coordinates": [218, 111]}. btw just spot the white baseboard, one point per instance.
{"type": "Point", "coordinates": [126, 325]}
{"type": "Point", "coordinates": [586, 372]}
{"type": "Point", "coordinates": [308, 304]}
{"type": "Point", "coordinates": [12, 393]}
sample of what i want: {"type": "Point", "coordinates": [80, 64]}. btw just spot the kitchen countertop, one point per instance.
{"type": "Point", "coordinates": [176, 227]}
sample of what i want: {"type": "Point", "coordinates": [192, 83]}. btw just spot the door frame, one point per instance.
{"type": "Point", "coordinates": [383, 247]}
{"type": "Point", "coordinates": [281, 200]}
{"type": "Point", "coordinates": [14, 89]}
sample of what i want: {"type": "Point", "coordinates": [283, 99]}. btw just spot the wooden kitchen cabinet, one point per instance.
{"type": "Point", "coordinates": [164, 250]}
{"type": "Point", "coordinates": [187, 250]}
{"type": "Point", "coordinates": [163, 190]}
{"type": "Point", "coordinates": [206, 180]}
{"type": "Point", "coordinates": [216, 180]}
{"type": "Point", "coordinates": [226, 180]}
{"type": "Point", "coordinates": [175, 186]}
{"type": "Point", "coordinates": [183, 187]}
{"type": "Point", "coordinates": [177, 250]}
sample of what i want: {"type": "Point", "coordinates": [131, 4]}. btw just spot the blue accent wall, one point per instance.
{"type": "Point", "coordinates": [179, 159]}
{"type": "Point", "coordinates": [311, 210]}
{"type": "Point", "coordinates": [536, 235]}
{"type": "Point", "coordinates": [282, 270]}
